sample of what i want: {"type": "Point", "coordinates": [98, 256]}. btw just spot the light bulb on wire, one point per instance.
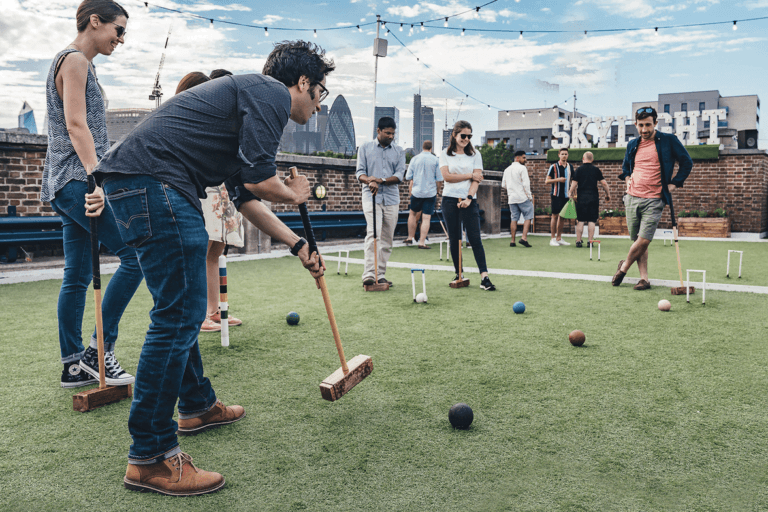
{"type": "Point", "coordinates": [315, 34]}
{"type": "Point", "coordinates": [266, 32]}
{"type": "Point", "coordinates": [734, 25]}
{"type": "Point", "coordinates": [146, 7]}
{"type": "Point", "coordinates": [401, 27]}
{"type": "Point", "coordinates": [521, 34]}
{"type": "Point", "coordinates": [462, 31]}
{"type": "Point", "coordinates": [211, 25]}
{"type": "Point", "coordinates": [446, 22]}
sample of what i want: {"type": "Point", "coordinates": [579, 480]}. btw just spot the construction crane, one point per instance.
{"type": "Point", "coordinates": [459, 112]}
{"type": "Point", "coordinates": [157, 91]}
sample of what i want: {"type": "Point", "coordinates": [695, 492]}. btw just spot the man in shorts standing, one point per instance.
{"type": "Point", "coordinates": [647, 172]}
{"type": "Point", "coordinates": [519, 197]}
{"type": "Point", "coordinates": [423, 173]}
{"type": "Point", "coordinates": [584, 191]}
{"type": "Point", "coordinates": [559, 176]}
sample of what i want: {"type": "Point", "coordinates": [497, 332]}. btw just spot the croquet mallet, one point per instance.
{"type": "Point", "coordinates": [376, 286]}
{"type": "Point", "coordinates": [88, 400]}
{"type": "Point", "coordinates": [359, 367]}
{"type": "Point", "coordinates": [677, 290]}
{"type": "Point", "coordinates": [461, 282]}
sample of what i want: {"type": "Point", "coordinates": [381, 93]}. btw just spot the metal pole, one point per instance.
{"type": "Point", "coordinates": [376, 73]}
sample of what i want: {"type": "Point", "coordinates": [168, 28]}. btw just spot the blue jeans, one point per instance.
{"type": "Point", "coordinates": [171, 242]}
{"type": "Point", "coordinates": [470, 217]}
{"type": "Point", "coordinates": [69, 203]}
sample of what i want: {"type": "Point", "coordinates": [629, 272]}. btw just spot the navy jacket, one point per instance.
{"type": "Point", "coordinates": [670, 150]}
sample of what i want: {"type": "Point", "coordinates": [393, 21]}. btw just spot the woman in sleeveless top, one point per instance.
{"type": "Point", "coordinates": [77, 140]}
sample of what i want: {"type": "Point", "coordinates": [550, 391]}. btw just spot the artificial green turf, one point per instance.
{"type": "Point", "coordinates": [658, 411]}
{"type": "Point", "coordinates": [662, 260]}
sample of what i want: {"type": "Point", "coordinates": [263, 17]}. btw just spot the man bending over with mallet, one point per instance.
{"type": "Point", "coordinates": [647, 172]}
{"type": "Point", "coordinates": [153, 180]}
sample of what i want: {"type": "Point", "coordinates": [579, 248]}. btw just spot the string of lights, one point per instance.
{"type": "Point", "coordinates": [423, 25]}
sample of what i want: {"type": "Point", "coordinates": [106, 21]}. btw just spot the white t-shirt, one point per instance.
{"type": "Point", "coordinates": [459, 163]}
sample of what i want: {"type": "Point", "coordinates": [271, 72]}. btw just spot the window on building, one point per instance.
{"type": "Point", "coordinates": [544, 142]}
{"type": "Point", "coordinates": [684, 107]}
{"type": "Point", "coordinates": [687, 121]}
{"type": "Point", "coordinates": [530, 143]}
{"type": "Point", "coordinates": [706, 125]}
{"type": "Point", "coordinates": [517, 143]}
{"type": "Point", "coordinates": [666, 108]}
{"type": "Point", "coordinates": [701, 106]}
{"type": "Point", "coordinates": [562, 116]}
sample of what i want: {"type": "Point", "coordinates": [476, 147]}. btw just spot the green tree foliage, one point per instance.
{"type": "Point", "coordinates": [497, 158]}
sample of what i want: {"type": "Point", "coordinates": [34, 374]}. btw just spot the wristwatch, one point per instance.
{"type": "Point", "coordinates": [297, 247]}
{"type": "Point", "coordinates": [469, 196]}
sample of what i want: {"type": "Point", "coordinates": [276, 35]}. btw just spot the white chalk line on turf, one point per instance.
{"type": "Point", "coordinates": [564, 275]}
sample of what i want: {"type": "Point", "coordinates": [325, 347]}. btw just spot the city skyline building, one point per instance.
{"type": "Point", "coordinates": [423, 123]}
{"type": "Point", "coordinates": [392, 112]}
{"type": "Point", "coordinates": [27, 118]}
{"type": "Point", "coordinates": [339, 134]}
{"type": "Point", "coordinates": [120, 121]}
{"type": "Point", "coordinates": [529, 130]}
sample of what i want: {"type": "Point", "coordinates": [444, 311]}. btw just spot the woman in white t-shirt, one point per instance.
{"type": "Point", "coordinates": [462, 169]}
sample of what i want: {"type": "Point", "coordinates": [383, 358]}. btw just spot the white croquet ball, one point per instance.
{"type": "Point", "coordinates": [421, 298]}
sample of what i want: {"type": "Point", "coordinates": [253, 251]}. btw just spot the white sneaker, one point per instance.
{"type": "Point", "coordinates": [562, 242]}
{"type": "Point", "coordinates": [553, 242]}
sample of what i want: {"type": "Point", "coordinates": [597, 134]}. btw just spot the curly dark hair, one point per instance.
{"type": "Point", "coordinates": [290, 60]}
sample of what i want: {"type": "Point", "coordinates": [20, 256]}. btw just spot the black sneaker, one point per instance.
{"type": "Point", "coordinates": [525, 243]}
{"type": "Point", "coordinates": [578, 243]}
{"type": "Point", "coordinates": [513, 244]}
{"type": "Point", "coordinates": [368, 281]}
{"type": "Point", "coordinates": [114, 375]}
{"type": "Point", "coordinates": [384, 281]}
{"type": "Point", "coordinates": [487, 285]}
{"type": "Point", "coordinates": [74, 377]}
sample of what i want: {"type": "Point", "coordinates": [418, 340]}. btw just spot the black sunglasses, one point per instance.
{"type": "Point", "coordinates": [324, 93]}
{"type": "Point", "coordinates": [645, 110]}
{"type": "Point", "coordinates": [120, 29]}
{"type": "Point", "coordinates": [465, 136]}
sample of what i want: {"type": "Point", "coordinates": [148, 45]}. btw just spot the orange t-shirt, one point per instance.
{"type": "Point", "coordinates": [646, 176]}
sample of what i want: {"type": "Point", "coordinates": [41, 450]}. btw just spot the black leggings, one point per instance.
{"type": "Point", "coordinates": [470, 217]}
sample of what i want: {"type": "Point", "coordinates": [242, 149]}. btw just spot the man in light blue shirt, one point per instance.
{"type": "Point", "coordinates": [423, 173]}
{"type": "Point", "coordinates": [380, 168]}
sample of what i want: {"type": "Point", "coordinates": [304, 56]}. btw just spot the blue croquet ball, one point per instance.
{"type": "Point", "coordinates": [292, 318]}
{"type": "Point", "coordinates": [518, 307]}
{"type": "Point", "coordinates": [461, 416]}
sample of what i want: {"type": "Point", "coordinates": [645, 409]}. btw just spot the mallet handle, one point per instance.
{"type": "Point", "coordinates": [96, 270]}
{"type": "Point", "coordinates": [674, 235]}
{"type": "Point", "coordinates": [321, 280]}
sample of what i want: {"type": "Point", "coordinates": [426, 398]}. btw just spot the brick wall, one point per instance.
{"type": "Point", "coordinates": [737, 181]}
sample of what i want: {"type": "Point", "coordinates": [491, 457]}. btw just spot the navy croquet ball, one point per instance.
{"type": "Point", "coordinates": [461, 416]}
{"type": "Point", "coordinates": [292, 318]}
{"type": "Point", "coordinates": [518, 307]}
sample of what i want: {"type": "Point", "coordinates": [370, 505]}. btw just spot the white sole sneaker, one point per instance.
{"type": "Point", "coordinates": [562, 242]}
{"type": "Point", "coordinates": [553, 243]}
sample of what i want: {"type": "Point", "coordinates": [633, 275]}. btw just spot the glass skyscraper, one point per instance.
{"type": "Point", "coordinates": [392, 112]}
{"type": "Point", "coordinates": [340, 130]}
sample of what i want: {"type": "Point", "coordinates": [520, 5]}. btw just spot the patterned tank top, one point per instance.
{"type": "Point", "coordinates": [62, 164]}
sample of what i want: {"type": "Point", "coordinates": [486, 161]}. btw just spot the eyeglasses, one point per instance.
{"type": "Point", "coordinates": [324, 93]}
{"type": "Point", "coordinates": [120, 29]}
{"type": "Point", "coordinates": [466, 136]}
{"type": "Point", "coordinates": [645, 110]}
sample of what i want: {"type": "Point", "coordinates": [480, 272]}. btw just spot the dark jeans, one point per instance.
{"type": "Point", "coordinates": [169, 235]}
{"type": "Point", "coordinates": [69, 203]}
{"type": "Point", "coordinates": [470, 217]}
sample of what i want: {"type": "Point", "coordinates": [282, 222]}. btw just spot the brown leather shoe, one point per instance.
{"type": "Point", "coordinates": [218, 415]}
{"type": "Point", "coordinates": [618, 277]}
{"type": "Point", "coordinates": [643, 285]}
{"type": "Point", "coordinates": [176, 476]}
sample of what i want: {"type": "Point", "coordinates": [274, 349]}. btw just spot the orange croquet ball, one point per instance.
{"type": "Point", "coordinates": [577, 338]}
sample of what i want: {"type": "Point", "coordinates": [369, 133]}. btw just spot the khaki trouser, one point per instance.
{"type": "Point", "coordinates": [386, 221]}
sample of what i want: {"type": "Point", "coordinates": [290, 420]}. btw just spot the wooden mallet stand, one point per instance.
{"type": "Point", "coordinates": [359, 367]}
{"type": "Point", "coordinates": [93, 398]}
{"type": "Point", "coordinates": [376, 286]}
{"type": "Point", "coordinates": [461, 282]}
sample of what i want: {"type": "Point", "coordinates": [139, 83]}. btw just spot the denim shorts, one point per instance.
{"type": "Point", "coordinates": [426, 205]}
{"type": "Point", "coordinates": [525, 209]}
{"type": "Point", "coordinates": [643, 215]}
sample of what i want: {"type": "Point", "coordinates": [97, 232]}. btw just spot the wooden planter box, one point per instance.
{"type": "Point", "coordinates": [715, 227]}
{"type": "Point", "coordinates": [541, 224]}
{"type": "Point", "coordinates": [613, 226]}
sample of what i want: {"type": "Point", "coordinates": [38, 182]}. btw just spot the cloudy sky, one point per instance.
{"type": "Point", "coordinates": [607, 70]}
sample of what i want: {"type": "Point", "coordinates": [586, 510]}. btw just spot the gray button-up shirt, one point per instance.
{"type": "Point", "coordinates": [381, 162]}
